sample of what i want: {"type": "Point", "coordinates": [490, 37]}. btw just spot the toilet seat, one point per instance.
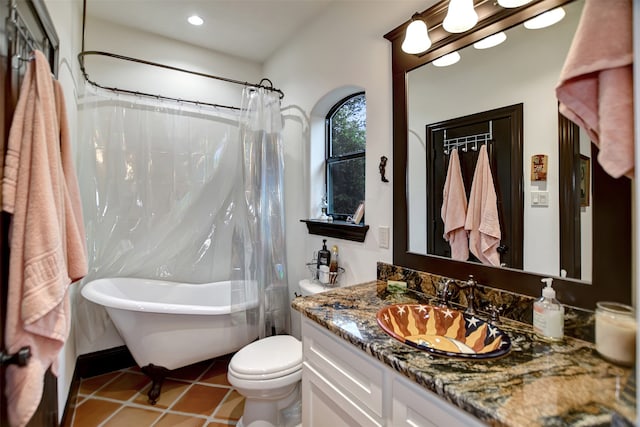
{"type": "Point", "coordinates": [268, 358]}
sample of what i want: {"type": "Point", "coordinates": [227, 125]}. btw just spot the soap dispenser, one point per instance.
{"type": "Point", "coordinates": [324, 256]}
{"type": "Point", "coordinates": [548, 314]}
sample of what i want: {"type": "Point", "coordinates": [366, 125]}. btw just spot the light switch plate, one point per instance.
{"type": "Point", "coordinates": [540, 198]}
{"type": "Point", "coordinates": [383, 236]}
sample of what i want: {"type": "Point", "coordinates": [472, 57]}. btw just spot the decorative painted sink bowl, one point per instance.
{"type": "Point", "coordinates": [443, 331]}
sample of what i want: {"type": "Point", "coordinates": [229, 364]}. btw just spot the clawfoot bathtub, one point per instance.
{"type": "Point", "coordinates": [167, 325]}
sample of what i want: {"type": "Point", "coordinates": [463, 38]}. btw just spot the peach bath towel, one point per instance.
{"type": "Point", "coordinates": [47, 247]}
{"type": "Point", "coordinates": [482, 220]}
{"type": "Point", "coordinates": [596, 83]}
{"type": "Point", "coordinates": [454, 210]}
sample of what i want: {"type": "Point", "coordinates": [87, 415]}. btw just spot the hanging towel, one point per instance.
{"type": "Point", "coordinates": [47, 247]}
{"type": "Point", "coordinates": [454, 210]}
{"type": "Point", "coordinates": [596, 83]}
{"type": "Point", "coordinates": [482, 220]}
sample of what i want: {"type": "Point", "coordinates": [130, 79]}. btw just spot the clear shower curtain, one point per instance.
{"type": "Point", "coordinates": [188, 194]}
{"type": "Point", "coordinates": [159, 185]}
{"type": "Point", "coordinates": [263, 185]}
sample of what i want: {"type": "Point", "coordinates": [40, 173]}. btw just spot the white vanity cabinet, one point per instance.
{"type": "Point", "coordinates": [342, 386]}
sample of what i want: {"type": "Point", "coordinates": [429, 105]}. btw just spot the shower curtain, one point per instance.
{"type": "Point", "coordinates": [263, 181]}
{"type": "Point", "coordinates": [165, 197]}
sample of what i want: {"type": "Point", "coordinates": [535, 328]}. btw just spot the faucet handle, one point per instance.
{"type": "Point", "coordinates": [494, 313]}
{"type": "Point", "coordinates": [471, 282]}
{"type": "Point", "coordinates": [445, 292]}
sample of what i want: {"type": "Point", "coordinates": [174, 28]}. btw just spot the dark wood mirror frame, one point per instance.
{"type": "Point", "coordinates": [611, 232]}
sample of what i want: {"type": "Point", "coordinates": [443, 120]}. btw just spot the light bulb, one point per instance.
{"type": "Point", "coordinates": [461, 16]}
{"type": "Point", "coordinates": [416, 39]}
{"type": "Point", "coordinates": [446, 60]}
{"type": "Point", "coordinates": [195, 20]}
{"type": "Point", "coordinates": [513, 3]}
{"type": "Point", "coordinates": [546, 19]}
{"type": "Point", "coordinates": [490, 41]}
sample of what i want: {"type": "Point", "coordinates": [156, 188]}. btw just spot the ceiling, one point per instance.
{"type": "Point", "coordinates": [249, 29]}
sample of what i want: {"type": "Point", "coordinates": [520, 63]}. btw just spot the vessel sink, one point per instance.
{"type": "Point", "coordinates": [443, 331]}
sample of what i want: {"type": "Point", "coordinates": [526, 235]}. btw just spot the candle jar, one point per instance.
{"type": "Point", "coordinates": [616, 332]}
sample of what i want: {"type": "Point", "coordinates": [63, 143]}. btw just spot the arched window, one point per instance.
{"type": "Point", "coordinates": [345, 155]}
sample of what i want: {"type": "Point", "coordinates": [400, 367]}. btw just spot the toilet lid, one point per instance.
{"type": "Point", "coordinates": [267, 358]}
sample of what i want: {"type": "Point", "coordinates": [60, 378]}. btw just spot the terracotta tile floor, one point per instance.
{"type": "Point", "coordinates": [194, 396]}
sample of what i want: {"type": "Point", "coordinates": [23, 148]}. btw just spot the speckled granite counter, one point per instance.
{"type": "Point", "coordinates": [536, 384]}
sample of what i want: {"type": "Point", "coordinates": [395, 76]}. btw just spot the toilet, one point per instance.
{"type": "Point", "coordinates": [268, 373]}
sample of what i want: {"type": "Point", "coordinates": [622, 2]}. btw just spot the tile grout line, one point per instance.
{"type": "Point", "coordinates": [131, 402]}
{"type": "Point", "coordinates": [213, 417]}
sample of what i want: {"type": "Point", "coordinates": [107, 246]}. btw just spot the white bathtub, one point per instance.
{"type": "Point", "coordinates": [172, 324]}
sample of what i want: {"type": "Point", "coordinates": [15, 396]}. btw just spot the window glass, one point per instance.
{"type": "Point", "coordinates": [345, 159]}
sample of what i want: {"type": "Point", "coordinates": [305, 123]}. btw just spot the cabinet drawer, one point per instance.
{"type": "Point", "coordinates": [353, 373]}
{"type": "Point", "coordinates": [326, 406]}
{"type": "Point", "coordinates": [412, 407]}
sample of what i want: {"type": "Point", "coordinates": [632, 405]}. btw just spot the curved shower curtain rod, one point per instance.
{"type": "Point", "coordinates": [82, 54]}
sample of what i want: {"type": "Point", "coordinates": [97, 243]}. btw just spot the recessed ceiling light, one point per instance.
{"type": "Point", "coordinates": [195, 20]}
{"type": "Point", "coordinates": [448, 59]}
{"type": "Point", "coordinates": [546, 19]}
{"type": "Point", "coordinates": [490, 41]}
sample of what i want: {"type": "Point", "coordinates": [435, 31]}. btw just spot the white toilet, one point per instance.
{"type": "Point", "coordinates": [268, 373]}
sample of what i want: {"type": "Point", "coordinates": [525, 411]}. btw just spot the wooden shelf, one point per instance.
{"type": "Point", "coordinates": [338, 229]}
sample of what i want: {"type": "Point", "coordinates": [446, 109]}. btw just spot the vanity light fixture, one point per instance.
{"type": "Point", "coordinates": [546, 19]}
{"type": "Point", "coordinates": [491, 41]}
{"type": "Point", "coordinates": [195, 20]}
{"type": "Point", "coordinates": [513, 3]}
{"type": "Point", "coordinates": [416, 39]}
{"type": "Point", "coordinates": [461, 16]}
{"type": "Point", "coordinates": [446, 60]}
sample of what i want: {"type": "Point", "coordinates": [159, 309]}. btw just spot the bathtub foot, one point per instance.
{"type": "Point", "coordinates": [157, 375]}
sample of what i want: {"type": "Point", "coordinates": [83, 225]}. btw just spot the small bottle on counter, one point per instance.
{"type": "Point", "coordinates": [333, 266]}
{"type": "Point", "coordinates": [548, 315]}
{"type": "Point", "coordinates": [324, 257]}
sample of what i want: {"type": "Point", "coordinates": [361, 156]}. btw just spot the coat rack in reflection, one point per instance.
{"type": "Point", "coordinates": [465, 141]}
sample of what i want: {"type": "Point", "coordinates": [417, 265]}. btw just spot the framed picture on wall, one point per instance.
{"type": "Point", "coordinates": [585, 180]}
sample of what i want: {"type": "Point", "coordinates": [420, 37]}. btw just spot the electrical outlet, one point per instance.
{"type": "Point", "coordinates": [383, 236]}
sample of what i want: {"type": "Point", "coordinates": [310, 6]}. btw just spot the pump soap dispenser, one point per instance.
{"type": "Point", "coordinates": [548, 314]}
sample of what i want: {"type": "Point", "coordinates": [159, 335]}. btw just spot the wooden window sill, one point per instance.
{"type": "Point", "coordinates": [337, 229]}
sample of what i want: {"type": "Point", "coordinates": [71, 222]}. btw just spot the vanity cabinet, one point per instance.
{"type": "Point", "coordinates": [342, 386]}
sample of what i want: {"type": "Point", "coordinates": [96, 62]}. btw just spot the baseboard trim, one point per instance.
{"type": "Point", "coordinates": [91, 365]}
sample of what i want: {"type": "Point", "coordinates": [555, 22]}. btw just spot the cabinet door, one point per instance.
{"type": "Point", "coordinates": [412, 407]}
{"type": "Point", "coordinates": [326, 406]}
{"type": "Point", "coordinates": [355, 374]}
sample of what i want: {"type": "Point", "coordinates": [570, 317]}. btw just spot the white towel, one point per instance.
{"type": "Point", "coordinates": [454, 210]}
{"type": "Point", "coordinates": [482, 221]}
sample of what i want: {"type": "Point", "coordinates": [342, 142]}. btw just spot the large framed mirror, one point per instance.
{"type": "Point", "coordinates": [586, 247]}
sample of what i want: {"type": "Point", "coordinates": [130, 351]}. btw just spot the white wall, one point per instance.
{"type": "Point", "coordinates": [104, 36]}
{"type": "Point", "coordinates": [342, 50]}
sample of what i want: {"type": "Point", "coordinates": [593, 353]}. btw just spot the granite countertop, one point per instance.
{"type": "Point", "coordinates": [536, 384]}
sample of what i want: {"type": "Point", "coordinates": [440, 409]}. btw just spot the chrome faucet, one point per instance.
{"type": "Point", "coordinates": [470, 285]}
{"type": "Point", "coordinates": [446, 292]}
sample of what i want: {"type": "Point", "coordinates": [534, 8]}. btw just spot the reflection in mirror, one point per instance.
{"type": "Point", "coordinates": [523, 69]}
{"type": "Point", "coordinates": [610, 201]}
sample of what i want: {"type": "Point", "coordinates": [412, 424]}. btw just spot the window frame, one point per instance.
{"type": "Point", "coordinates": [329, 159]}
